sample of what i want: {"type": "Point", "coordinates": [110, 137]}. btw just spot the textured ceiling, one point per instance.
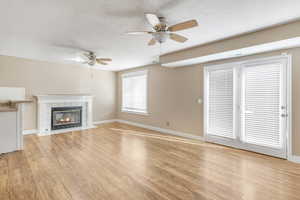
{"type": "Point", "coordinates": [47, 29]}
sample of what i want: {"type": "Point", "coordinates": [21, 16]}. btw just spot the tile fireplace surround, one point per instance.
{"type": "Point", "coordinates": [47, 102]}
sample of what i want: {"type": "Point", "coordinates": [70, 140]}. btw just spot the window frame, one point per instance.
{"type": "Point", "coordinates": [132, 110]}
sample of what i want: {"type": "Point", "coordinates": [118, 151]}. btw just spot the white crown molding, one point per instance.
{"type": "Point", "coordinates": [162, 130]}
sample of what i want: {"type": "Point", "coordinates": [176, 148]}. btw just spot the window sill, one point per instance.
{"type": "Point", "coordinates": [134, 112]}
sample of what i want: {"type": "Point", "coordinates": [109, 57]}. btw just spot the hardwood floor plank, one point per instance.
{"type": "Point", "coordinates": [117, 161]}
{"type": "Point", "coordinates": [4, 189]}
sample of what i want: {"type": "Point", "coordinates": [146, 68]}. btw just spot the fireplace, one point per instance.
{"type": "Point", "coordinates": [66, 117]}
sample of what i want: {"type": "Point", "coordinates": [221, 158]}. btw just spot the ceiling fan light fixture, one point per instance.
{"type": "Point", "coordinates": [92, 62]}
{"type": "Point", "coordinates": [160, 37]}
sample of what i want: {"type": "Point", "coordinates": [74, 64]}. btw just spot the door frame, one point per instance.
{"type": "Point", "coordinates": [229, 142]}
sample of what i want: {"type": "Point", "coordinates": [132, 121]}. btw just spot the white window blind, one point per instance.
{"type": "Point", "coordinates": [220, 103]}
{"type": "Point", "coordinates": [247, 105]}
{"type": "Point", "coordinates": [134, 92]}
{"type": "Point", "coordinates": [262, 106]}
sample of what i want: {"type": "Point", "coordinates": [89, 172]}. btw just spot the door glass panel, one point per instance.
{"type": "Point", "coordinates": [261, 97]}
{"type": "Point", "coordinates": [220, 98]}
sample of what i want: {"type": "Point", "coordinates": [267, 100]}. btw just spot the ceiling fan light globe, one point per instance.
{"type": "Point", "coordinates": [161, 37]}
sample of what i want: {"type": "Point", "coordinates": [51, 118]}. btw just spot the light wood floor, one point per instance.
{"type": "Point", "coordinates": [117, 161]}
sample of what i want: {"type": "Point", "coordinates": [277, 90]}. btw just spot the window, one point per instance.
{"type": "Point", "coordinates": [134, 92]}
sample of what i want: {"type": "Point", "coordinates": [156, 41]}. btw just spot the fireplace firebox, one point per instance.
{"type": "Point", "coordinates": [66, 117]}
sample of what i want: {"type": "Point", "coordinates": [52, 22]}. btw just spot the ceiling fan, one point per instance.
{"type": "Point", "coordinates": [161, 31]}
{"type": "Point", "coordinates": [93, 59]}
{"type": "Point", "coordinates": [90, 58]}
{"type": "Point", "coordinates": [85, 56]}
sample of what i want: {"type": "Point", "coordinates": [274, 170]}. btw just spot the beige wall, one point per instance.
{"type": "Point", "coordinates": [172, 97]}
{"type": "Point", "coordinates": [52, 78]}
{"type": "Point", "coordinates": [173, 93]}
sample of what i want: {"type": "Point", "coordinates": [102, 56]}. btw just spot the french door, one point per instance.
{"type": "Point", "coordinates": [246, 105]}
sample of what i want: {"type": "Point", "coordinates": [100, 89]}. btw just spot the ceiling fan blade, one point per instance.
{"type": "Point", "coordinates": [152, 42]}
{"type": "Point", "coordinates": [152, 19]}
{"type": "Point", "coordinates": [104, 59]}
{"type": "Point", "coordinates": [101, 62]}
{"type": "Point", "coordinates": [76, 60]}
{"type": "Point", "coordinates": [183, 25]}
{"type": "Point", "coordinates": [178, 38]}
{"type": "Point", "coordinates": [138, 32]}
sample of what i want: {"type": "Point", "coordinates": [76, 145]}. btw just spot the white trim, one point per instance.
{"type": "Point", "coordinates": [226, 65]}
{"type": "Point", "coordinates": [154, 128]}
{"type": "Point", "coordinates": [205, 102]}
{"type": "Point", "coordinates": [295, 159]}
{"type": "Point", "coordinates": [135, 73]}
{"type": "Point", "coordinates": [288, 146]}
{"type": "Point", "coordinates": [162, 130]}
{"type": "Point", "coordinates": [289, 129]}
{"type": "Point", "coordinates": [134, 112]}
{"type": "Point", "coordinates": [35, 131]}
{"type": "Point", "coordinates": [247, 51]}
{"type": "Point", "coordinates": [30, 132]}
{"type": "Point", "coordinates": [105, 121]}
{"type": "Point", "coordinates": [67, 130]}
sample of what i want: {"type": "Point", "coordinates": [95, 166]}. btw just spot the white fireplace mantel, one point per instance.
{"type": "Point", "coordinates": [47, 102]}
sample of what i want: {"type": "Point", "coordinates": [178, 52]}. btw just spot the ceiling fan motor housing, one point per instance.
{"type": "Point", "coordinates": [92, 58]}
{"type": "Point", "coordinates": [162, 26]}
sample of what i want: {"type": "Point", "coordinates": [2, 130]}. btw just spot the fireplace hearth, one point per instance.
{"type": "Point", "coordinates": [66, 117]}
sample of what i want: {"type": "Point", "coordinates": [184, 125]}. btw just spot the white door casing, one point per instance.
{"type": "Point", "coordinates": [260, 105]}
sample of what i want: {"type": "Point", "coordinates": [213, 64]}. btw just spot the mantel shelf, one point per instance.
{"type": "Point", "coordinates": [8, 109]}
{"type": "Point", "coordinates": [16, 101]}
{"type": "Point", "coordinates": [11, 105]}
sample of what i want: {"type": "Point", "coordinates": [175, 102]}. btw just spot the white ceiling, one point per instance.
{"type": "Point", "coordinates": [45, 29]}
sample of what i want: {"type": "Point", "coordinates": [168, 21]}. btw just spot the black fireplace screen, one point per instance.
{"type": "Point", "coordinates": [66, 117]}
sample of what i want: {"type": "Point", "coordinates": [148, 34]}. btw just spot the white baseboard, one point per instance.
{"type": "Point", "coordinates": [65, 130]}
{"type": "Point", "coordinates": [295, 159]}
{"type": "Point", "coordinates": [30, 132]}
{"type": "Point", "coordinates": [162, 130]}
{"type": "Point", "coordinates": [35, 131]}
{"type": "Point", "coordinates": [154, 128]}
{"type": "Point", "coordinates": [105, 121]}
